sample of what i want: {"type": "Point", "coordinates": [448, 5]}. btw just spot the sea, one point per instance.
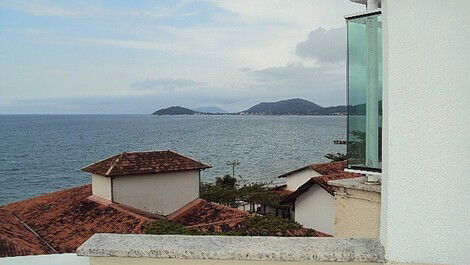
{"type": "Point", "coordinates": [44, 153]}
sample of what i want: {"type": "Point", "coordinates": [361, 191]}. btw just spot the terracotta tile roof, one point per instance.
{"type": "Point", "coordinates": [208, 216]}
{"type": "Point", "coordinates": [329, 171]}
{"type": "Point", "coordinates": [65, 219]}
{"type": "Point", "coordinates": [329, 168]}
{"type": "Point", "coordinates": [323, 180]}
{"type": "Point", "coordinates": [134, 163]}
{"type": "Point", "coordinates": [16, 239]}
{"type": "Point", "coordinates": [211, 217]}
{"type": "Point", "coordinates": [282, 192]}
{"type": "Point", "coordinates": [322, 169]}
{"type": "Point", "coordinates": [294, 171]}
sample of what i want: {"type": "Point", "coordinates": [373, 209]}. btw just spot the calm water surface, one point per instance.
{"type": "Point", "coordinates": [44, 153]}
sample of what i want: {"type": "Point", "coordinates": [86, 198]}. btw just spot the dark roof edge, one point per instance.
{"type": "Point", "coordinates": [304, 188]}
{"type": "Point", "coordinates": [295, 171]}
{"type": "Point", "coordinates": [85, 168]}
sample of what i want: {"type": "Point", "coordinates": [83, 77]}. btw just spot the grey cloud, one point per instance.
{"type": "Point", "coordinates": [299, 72]}
{"type": "Point", "coordinates": [130, 104]}
{"type": "Point", "coordinates": [165, 83]}
{"type": "Point", "coordinates": [324, 85]}
{"type": "Point", "coordinates": [244, 69]}
{"type": "Point", "coordinates": [324, 45]}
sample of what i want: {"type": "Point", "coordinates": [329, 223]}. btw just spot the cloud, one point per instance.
{"type": "Point", "coordinates": [242, 51]}
{"type": "Point", "coordinates": [165, 83]}
{"type": "Point", "coordinates": [324, 85]}
{"type": "Point", "coordinates": [133, 44]}
{"type": "Point", "coordinates": [324, 45]}
{"type": "Point", "coordinates": [125, 104]}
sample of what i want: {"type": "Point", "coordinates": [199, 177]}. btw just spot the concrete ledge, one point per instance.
{"type": "Point", "coordinates": [356, 184]}
{"type": "Point", "coordinates": [234, 248]}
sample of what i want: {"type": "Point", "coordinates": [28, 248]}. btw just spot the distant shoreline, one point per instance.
{"type": "Point", "coordinates": [239, 114]}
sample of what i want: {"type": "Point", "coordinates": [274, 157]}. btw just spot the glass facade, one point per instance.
{"type": "Point", "coordinates": [364, 146]}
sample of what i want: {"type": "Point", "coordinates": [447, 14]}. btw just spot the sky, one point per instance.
{"type": "Point", "coordinates": [116, 57]}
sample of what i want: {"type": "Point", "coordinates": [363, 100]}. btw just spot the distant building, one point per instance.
{"type": "Point", "coordinates": [159, 182]}
{"type": "Point", "coordinates": [313, 198]}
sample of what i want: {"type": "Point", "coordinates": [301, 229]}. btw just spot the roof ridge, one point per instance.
{"type": "Point", "coordinates": [99, 161]}
{"type": "Point", "coordinates": [146, 151]}
{"type": "Point", "coordinates": [114, 164]}
{"type": "Point", "coordinates": [149, 162]}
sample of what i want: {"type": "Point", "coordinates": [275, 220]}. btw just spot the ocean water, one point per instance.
{"type": "Point", "coordinates": [44, 153]}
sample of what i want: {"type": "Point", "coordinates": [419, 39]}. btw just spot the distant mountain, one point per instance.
{"type": "Point", "coordinates": [175, 110]}
{"type": "Point", "coordinates": [296, 106]}
{"type": "Point", "coordinates": [335, 110]}
{"type": "Point", "coordinates": [210, 110]}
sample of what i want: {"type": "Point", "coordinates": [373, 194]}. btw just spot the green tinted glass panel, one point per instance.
{"type": "Point", "coordinates": [365, 92]}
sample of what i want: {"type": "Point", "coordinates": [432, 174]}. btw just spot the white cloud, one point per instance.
{"type": "Point", "coordinates": [324, 45]}
{"type": "Point", "coordinates": [303, 14]}
{"type": "Point", "coordinates": [239, 56]}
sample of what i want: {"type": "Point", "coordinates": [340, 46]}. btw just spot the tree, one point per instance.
{"type": "Point", "coordinates": [337, 156]}
{"type": "Point", "coordinates": [226, 182]}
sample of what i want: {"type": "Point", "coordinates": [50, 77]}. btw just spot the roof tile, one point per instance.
{"type": "Point", "coordinates": [136, 163]}
{"type": "Point", "coordinates": [65, 219]}
{"type": "Point", "coordinates": [329, 171]}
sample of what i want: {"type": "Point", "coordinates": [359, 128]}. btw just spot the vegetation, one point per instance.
{"type": "Point", "coordinates": [269, 225]}
{"type": "Point", "coordinates": [337, 156]}
{"type": "Point", "coordinates": [175, 110]}
{"type": "Point", "coordinates": [164, 227]}
{"type": "Point", "coordinates": [225, 191]}
{"type": "Point", "coordinates": [357, 147]}
{"type": "Point", "coordinates": [252, 226]}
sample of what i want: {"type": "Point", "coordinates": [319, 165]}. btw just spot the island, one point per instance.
{"type": "Point", "coordinates": [175, 110]}
{"type": "Point", "coordinates": [295, 106]}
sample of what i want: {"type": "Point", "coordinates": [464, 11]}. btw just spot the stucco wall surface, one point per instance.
{"type": "Point", "coordinates": [357, 213]}
{"type": "Point", "coordinates": [159, 193]}
{"type": "Point", "coordinates": [426, 133]}
{"type": "Point", "coordinates": [101, 186]}
{"type": "Point", "coordinates": [316, 209]}
{"type": "Point", "coordinates": [297, 179]}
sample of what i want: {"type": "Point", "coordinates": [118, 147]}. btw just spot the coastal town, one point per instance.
{"type": "Point", "coordinates": [98, 165]}
{"type": "Point", "coordinates": [159, 192]}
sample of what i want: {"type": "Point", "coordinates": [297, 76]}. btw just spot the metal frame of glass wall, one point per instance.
{"type": "Point", "coordinates": [364, 91]}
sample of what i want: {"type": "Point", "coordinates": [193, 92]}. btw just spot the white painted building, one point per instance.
{"type": "Point", "coordinates": [313, 198]}
{"type": "Point", "coordinates": [158, 182]}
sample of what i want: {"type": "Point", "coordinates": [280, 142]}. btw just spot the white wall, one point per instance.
{"type": "Point", "coordinates": [426, 182]}
{"type": "Point", "coordinates": [297, 179]}
{"type": "Point", "coordinates": [316, 209]}
{"type": "Point", "coordinates": [158, 193]}
{"type": "Point", "coordinates": [101, 186]}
